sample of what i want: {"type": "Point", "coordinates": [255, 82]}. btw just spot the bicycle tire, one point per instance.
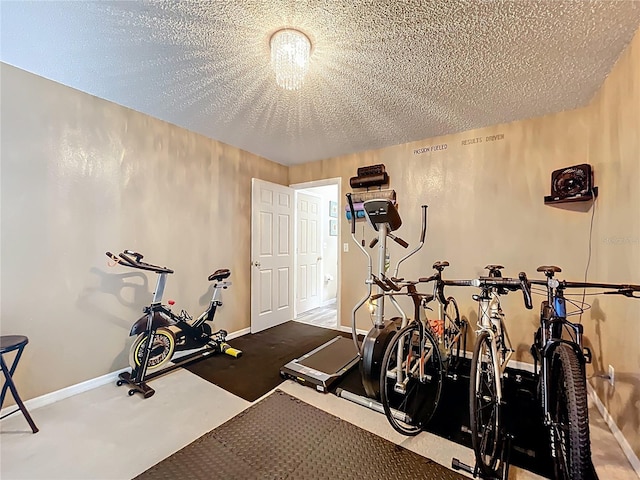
{"type": "Point", "coordinates": [162, 349]}
{"type": "Point", "coordinates": [484, 409]}
{"type": "Point", "coordinates": [420, 398]}
{"type": "Point", "coordinates": [570, 415]}
{"type": "Point", "coordinates": [452, 312]}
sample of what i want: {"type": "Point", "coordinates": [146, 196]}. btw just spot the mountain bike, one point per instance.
{"type": "Point", "coordinates": [559, 360]}
{"type": "Point", "coordinates": [420, 354]}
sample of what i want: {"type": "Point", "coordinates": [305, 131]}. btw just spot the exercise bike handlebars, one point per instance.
{"type": "Point", "coordinates": [125, 258]}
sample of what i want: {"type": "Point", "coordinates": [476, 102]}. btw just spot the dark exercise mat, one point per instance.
{"type": "Point", "coordinates": [282, 437]}
{"type": "Point", "coordinates": [523, 417]}
{"type": "Point", "coordinates": [257, 372]}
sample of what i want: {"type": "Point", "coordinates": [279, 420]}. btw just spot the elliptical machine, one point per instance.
{"type": "Point", "coordinates": [161, 333]}
{"type": "Point", "coordinates": [384, 218]}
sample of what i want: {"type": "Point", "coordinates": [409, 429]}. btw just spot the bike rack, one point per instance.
{"type": "Point", "coordinates": [503, 473]}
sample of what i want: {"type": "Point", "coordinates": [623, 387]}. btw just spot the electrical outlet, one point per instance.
{"type": "Point", "coordinates": [345, 247]}
{"type": "Point", "coordinates": [612, 376]}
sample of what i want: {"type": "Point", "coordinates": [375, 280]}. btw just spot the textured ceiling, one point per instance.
{"type": "Point", "coordinates": [382, 72]}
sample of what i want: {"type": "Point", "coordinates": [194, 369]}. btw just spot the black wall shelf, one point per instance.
{"type": "Point", "coordinates": [583, 197]}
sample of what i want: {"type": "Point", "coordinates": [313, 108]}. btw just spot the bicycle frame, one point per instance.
{"type": "Point", "coordinates": [491, 320]}
{"type": "Point", "coordinates": [445, 342]}
{"type": "Point", "coordinates": [553, 320]}
{"type": "Point", "coordinates": [420, 304]}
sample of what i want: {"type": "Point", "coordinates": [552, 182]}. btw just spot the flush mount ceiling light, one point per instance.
{"type": "Point", "coordinates": [290, 51]}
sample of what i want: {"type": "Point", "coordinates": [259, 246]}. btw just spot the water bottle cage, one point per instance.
{"type": "Point", "coordinates": [184, 316]}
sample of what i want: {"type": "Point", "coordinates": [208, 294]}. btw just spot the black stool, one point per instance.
{"type": "Point", "coordinates": [9, 343]}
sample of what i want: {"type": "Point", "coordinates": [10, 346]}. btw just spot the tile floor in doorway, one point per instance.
{"type": "Point", "coordinates": [325, 316]}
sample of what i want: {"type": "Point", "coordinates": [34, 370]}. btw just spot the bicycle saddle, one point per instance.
{"type": "Point", "coordinates": [440, 266]}
{"type": "Point", "coordinates": [220, 274]}
{"type": "Point", "coordinates": [549, 270]}
{"type": "Point", "coordinates": [494, 270]}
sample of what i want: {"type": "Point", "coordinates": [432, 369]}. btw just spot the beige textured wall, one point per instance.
{"type": "Point", "coordinates": [614, 324]}
{"type": "Point", "coordinates": [81, 176]}
{"type": "Point", "coordinates": [486, 206]}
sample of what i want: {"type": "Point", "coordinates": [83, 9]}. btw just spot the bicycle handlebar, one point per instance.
{"type": "Point", "coordinates": [628, 290]}
{"type": "Point", "coordinates": [520, 283]}
{"type": "Point", "coordinates": [125, 258]}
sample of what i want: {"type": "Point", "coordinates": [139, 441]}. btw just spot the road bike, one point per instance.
{"type": "Point", "coordinates": [420, 354]}
{"type": "Point", "coordinates": [491, 354]}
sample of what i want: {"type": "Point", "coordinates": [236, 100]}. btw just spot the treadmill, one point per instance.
{"type": "Point", "coordinates": [324, 365]}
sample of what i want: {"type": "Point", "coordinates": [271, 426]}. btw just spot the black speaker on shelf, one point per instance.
{"type": "Point", "coordinates": [572, 184]}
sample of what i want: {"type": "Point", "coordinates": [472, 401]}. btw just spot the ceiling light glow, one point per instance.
{"type": "Point", "coordinates": [290, 52]}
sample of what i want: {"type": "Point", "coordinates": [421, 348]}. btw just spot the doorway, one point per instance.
{"type": "Point", "coordinates": [321, 266]}
{"type": "Point", "coordinates": [276, 283]}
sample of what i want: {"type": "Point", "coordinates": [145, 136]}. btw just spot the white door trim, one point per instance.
{"type": "Point", "coordinates": [321, 183]}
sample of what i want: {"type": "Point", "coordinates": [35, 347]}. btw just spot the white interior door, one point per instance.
{"type": "Point", "coordinates": [272, 217]}
{"type": "Point", "coordinates": [308, 252]}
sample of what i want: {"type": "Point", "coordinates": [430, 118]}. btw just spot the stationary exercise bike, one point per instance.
{"type": "Point", "coordinates": [161, 333]}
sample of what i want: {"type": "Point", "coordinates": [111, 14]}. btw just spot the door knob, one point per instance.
{"type": "Point", "coordinates": [256, 263]}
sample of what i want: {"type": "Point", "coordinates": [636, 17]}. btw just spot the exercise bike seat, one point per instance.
{"type": "Point", "coordinates": [220, 274]}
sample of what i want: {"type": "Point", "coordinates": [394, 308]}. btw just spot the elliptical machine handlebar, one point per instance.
{"type": "Point", "coordinates": [125, 258]}
{"type": "Point", "coordinates": [423, 234]}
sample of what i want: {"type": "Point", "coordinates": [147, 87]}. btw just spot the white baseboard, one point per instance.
{"type": "Point", "coordinates": [331, 301]}
{"type": "Point", "coordinates": [239, 333]}
{"type": "Point", "coordinates": [622, 441]}
{"type": "Point", "coordinates": [342, 328]}
{"type": "Point", "coordinates": [52, 397]}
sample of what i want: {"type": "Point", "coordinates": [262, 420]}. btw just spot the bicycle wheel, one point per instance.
{"type": "Point", "coordinates": [570, 415]}
{"type": "Point", "coordinates": [162, 349]}
{"type": "Point", "coordinates": [410, 405]}
{"type": "Point", "coordinates": [485, 410]}
{"type": "Point", "coordinates": [453, 327]}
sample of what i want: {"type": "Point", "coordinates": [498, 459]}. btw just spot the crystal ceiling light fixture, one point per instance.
{"type": "Point", "coordinates": [290, 51]}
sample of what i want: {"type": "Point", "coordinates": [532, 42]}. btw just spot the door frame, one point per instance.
{"type": "Point", "coordinates": [312, 184]}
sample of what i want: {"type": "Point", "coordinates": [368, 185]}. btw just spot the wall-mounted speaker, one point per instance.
{"type": "Point", "coordinates": [572, 184]}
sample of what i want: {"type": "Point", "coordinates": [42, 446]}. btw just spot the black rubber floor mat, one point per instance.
{"type": "Point", "coordinates": [530, 445]}
{"type": "Point", "coordinates": [257, 372]}
{"type": "Point", "coordinates": [282, 437]}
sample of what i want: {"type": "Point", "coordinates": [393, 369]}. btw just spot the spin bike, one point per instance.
{"type": "Point", "coordinates": [161, 333]}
